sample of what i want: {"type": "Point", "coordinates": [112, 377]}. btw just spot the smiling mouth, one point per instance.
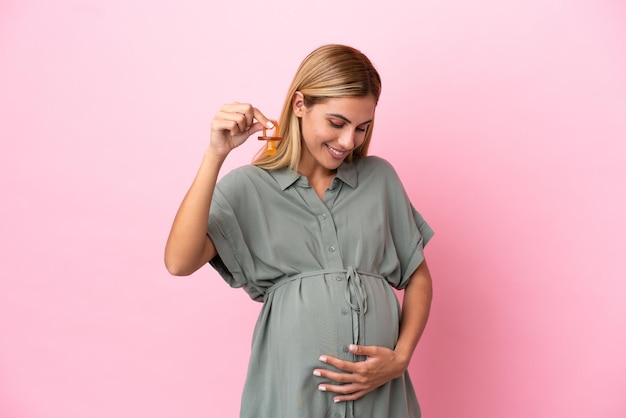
{"type": "Point", "coordinates": [336, 152]}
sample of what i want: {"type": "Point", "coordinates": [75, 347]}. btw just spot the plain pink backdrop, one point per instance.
{"type": "Point", "coordinates": [506, 121]}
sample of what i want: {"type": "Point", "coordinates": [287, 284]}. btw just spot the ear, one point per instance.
{"type": "Point", "coordinates": [297, 102]}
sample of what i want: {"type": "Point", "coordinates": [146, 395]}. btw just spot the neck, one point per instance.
{"type": "Point", "coordinates": [319, 178]}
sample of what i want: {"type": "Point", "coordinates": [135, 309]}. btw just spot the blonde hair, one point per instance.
{"type": "Point", "coordinates": [330, 71]}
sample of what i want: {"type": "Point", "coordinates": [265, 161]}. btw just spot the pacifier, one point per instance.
{"type": "Point", "coordinates": [270, 146]}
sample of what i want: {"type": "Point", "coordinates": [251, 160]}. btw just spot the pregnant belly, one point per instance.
{"type": "Point", "coordinates": [322, 314]}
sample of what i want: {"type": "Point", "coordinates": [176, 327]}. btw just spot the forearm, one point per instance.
{"type": "Point", "coordinates": [415, 310]}
{"type": "Point", "coordinates": [186, 249]}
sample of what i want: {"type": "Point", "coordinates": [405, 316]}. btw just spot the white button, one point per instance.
{"type": "Point", "coordinates": [331, 249]}
{"type": "Point", "coordinates": [324, 216]}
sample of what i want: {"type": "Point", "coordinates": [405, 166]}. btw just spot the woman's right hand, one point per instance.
{"type": "Point", "coordinates": [233, 124]}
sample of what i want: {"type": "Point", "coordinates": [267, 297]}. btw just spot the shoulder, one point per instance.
{"type": "Point", "coordinates": [245, 171]}
{"type": "Point", "coordinates": [373, 163]}
{"type": "Point", "coordinates": [243, 184]}
{"type": "Point", "coordinates": [375, 168]}
{"type": "Point", "coordinates": [241, 176]}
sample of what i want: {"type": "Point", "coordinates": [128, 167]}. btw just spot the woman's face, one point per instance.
{"type": "Point", "coordinates": [332, 129]}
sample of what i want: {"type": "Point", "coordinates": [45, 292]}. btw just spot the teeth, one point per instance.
{"type": "Point", "coordinates": [334, 151]}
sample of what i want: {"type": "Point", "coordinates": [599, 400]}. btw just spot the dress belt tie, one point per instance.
{"type": "Point", "coordinates": [356, 297]}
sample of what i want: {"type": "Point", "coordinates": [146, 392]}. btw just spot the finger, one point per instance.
{"type": "Point", "coordinates": [363, 350]}
{"type": "Point", "coordinates": [258, 115]}
{"type": "Point", "coordinates": [259, 126]}
{"type": "Point", "coordinates": [338, 376]}
{"type": "Point", "coordinates": [246, 111]}
{"type": "Point", "coordinates": [238, 119]}
{"type": "Point", "coordinates": [346, 366]}
{"type": "Point", "coordinates": [352, 396]}
{"type": "Point", "coordinates": [341, 389]}
{"type": "Point", "coordinates": [236, 107]}
{"type": "Point", "coordinates": [249, 114]}
{"type": "Point", "coordinates": [223, 125]}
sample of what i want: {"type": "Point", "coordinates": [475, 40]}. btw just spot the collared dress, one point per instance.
{"type": "Point", "coordinates": [324, 270]}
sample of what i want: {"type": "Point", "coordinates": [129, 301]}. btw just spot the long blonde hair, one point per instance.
{"type": "Point", "coordinates": [330, 71]}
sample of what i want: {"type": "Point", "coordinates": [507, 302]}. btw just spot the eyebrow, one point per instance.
{"type": "Point", "coordinates": [338, 116]}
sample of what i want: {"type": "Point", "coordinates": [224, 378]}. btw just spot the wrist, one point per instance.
{"type": "Point", "coordinates": [215, 156]}
{"type": "Point", "coordinates": [403, 357]}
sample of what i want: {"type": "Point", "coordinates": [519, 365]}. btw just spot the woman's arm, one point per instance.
{"type": "Point", "coordinates": [188, 246]}
{"type": "Point", "coordinates": [418, 296]}
{"type": "Point", "coordinates": [383, 364]}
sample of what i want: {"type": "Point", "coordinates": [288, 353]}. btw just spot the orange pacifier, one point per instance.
{"type": "Point", "coordinates": [270, 147]}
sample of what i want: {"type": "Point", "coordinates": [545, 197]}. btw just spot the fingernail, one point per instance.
{"type": "Point", "coordinates": [352, 347]}
{"type": "Point", "coordinates": [336, 400]}
{"type": "Point", "coordinates": [322, 388]}
{"type": "Point", "coordinates": [269, 124]}
{"type": "Point", "coordinates": [316, 373]}
{"type": "Point", "coordinates": [322, 359]}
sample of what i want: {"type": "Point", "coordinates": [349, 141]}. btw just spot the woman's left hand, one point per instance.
{"type": "Point", "coordinates": [362, 377]}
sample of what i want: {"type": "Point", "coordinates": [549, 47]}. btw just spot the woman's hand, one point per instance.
{"type": "Point", "coordinates": [360, 378]}
{"type": "Point", "coordinates": [233, 124]}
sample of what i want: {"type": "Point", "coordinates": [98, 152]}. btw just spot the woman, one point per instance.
{"type": "Point", "coordinates": [319, 233]}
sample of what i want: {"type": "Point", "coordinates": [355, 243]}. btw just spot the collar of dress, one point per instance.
{"type": "Point", "coordinates": [286, 177]}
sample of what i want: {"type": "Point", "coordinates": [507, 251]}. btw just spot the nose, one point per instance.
{"type": "Point", "coordinates": [346, 140]}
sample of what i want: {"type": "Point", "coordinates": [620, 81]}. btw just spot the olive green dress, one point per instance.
{"type": "Point", "coordinates": [324, 270]}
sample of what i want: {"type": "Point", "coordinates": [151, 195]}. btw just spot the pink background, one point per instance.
{"type": "Point", "coordinates": [505, 119]}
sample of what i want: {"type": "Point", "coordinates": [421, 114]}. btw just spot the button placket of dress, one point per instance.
{"type": "Point", "coordinates": [341, 410]}
{"type": "Point", "coordinates": [331, 235]}
{"type": "Point", "coordinates": [330, 244]}
{"type": "Point", "coordinates": [331, 193]}
{"type": "Point", "coordinates": [329, 241]}
{"type": "Point", "coordinates": [319, 208]}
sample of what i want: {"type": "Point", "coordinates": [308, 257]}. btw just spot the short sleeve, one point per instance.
{"type": "Point", "coordinates": [409, 231]}
{"type": "Point", "coordinates": [223, 231]}
{"type": "Point", "coordinates": [418, 240]}
{"type": "Point", "coordinates": [234, 260]}
{"type": "Point", "coordinates": [425, 230]}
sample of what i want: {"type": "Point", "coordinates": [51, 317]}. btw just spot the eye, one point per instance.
{"type": "Point", "coordinates": [361, 129]}
{"type": "Point", "coordinates": [335, 125]}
